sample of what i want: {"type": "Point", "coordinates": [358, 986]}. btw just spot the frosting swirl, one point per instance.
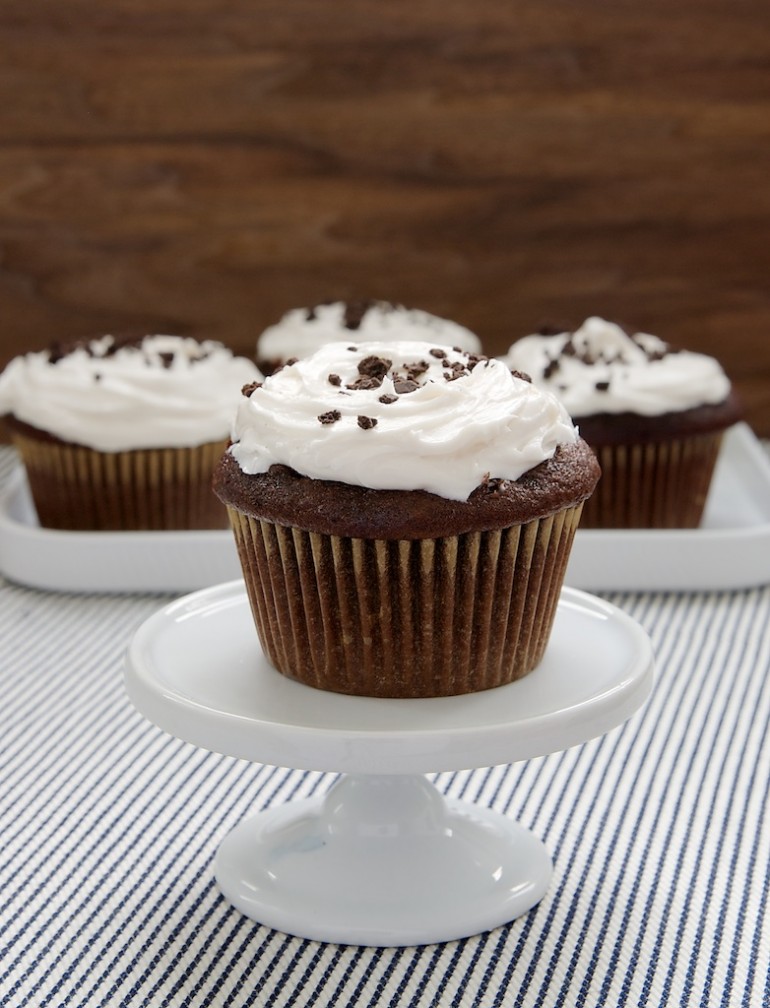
{"type": "Point", "coordinates": [301, 331]}
{"type": "Point", "coordinates": [159, 391]}
{"type": "Point", "coordinates": [600, 368]}
{"type": "Point", "coordinates": [400, 416]}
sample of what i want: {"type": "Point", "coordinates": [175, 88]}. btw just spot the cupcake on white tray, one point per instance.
{"type": "Point", "coordinates": [123, 434]}
{"type": "Point", "coordinates": [654, 415]}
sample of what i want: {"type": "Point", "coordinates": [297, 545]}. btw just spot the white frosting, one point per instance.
{"type": "Point", "coordinates": [303, 330]}
{"type": "Point", "coordinates": [131, 398]}
{"type": "Point", "coordinates": [444, 437]}
{"type": "Point", "coordinates": [641, 373]}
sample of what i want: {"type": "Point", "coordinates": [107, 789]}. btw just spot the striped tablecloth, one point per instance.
{"type": "Point", "coordinates": [658, 832]}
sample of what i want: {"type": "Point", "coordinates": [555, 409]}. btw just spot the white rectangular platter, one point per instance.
{"type": "Point", "coordinates": [112, 562]}
{"type": "Point", "coordinates": [731, 550]}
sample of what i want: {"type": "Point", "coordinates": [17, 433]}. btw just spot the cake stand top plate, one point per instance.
{"type": "Point", "coordinates": [195, 668]}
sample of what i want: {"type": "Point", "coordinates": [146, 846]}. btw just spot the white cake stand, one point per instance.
{"type": "Point", "coordinates": [383, 858]}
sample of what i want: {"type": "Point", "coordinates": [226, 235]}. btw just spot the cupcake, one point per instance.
{"type": "Point", "coordinates": [124, 434]}
{"type": "Point", "coordinates": [653, 414]}
{"type": "Point", "coordinates": [403, 514]}
{"type": "Point", "coordinates": [303, 330]}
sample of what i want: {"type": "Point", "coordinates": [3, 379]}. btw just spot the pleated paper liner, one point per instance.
{"type": "Point", "coordinates": [158, 489]}
{"type": "Point", "coordinates": [420, 618]}
{"type": "Point", "coordinates": [661, 485]}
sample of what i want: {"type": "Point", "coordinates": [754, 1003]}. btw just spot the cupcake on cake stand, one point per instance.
{"type": "Point", "coordinates": [383, 858]}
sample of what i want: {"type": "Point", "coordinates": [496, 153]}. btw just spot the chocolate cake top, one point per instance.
{"type": "Point", "coordinates": [285, 497]}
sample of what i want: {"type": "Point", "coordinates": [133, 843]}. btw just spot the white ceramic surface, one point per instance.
{"type": "Point", "coordinates": [196, 669]}
{"type": "Point", "coordinates": [730, 550]}
{"type": "Point", "coordinates": [383, 858]}
{"type": "Point", "coordinates": [382, 861]}
{"type": "Point", "coordinates": [107, 561]}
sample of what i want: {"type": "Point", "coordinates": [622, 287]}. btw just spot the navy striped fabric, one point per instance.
{"type": "Point", "coordinates": [658, 832]}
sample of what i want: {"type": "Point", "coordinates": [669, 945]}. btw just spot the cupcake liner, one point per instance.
{"type": "Point", "coordinates": [656, 485]}
{"type": "Point", "coordinates": [405, 618]}
{"type": "Point", "coordinates": [161, 489]}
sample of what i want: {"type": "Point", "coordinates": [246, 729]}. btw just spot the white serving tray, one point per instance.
{"type": "Point", "coordinates": [107, 561]}
{"type": "Point", "coordinates": [730, 550]}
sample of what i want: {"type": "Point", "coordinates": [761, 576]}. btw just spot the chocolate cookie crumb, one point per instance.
{"type": "Point", "coordinates": [459, 370]}
{"type": "Point", "coordinates": [474, 359]}
{"type": "Point", "coordinates": [334, 379]}
{"type": "Point", "coordinates": [388, 398]}
{"type": "Point", "coordinates": [249, 388]}
{"type": "Point", "coordinates": [331, 417]}
{"type": "Point", "coordinates": [354, 313]}
{"type": "Point", "coordinates": [493, 486]}
{"type": "Point", "coordinates": [56, 351]}
{"type": "Point", "coordinates": [374, 367]}
{"type": "Point", "coordinates": [366, 423]}
{"type": "Point", "coordinates": [416, 369]}
{"type": "Point", "coordinates": [364, 383]}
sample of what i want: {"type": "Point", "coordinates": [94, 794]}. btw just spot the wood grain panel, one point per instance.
{"type": "Point", "coordinates": [202, 167]}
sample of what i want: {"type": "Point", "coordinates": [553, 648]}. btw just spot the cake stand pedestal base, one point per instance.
{"type": "Point", "coordinates": [405, 865]}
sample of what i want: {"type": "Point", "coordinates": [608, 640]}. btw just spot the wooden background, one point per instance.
{"type": "Point", "coordinates": [200, 167]}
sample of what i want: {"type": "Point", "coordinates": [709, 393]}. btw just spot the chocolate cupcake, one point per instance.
{"type": "Point", "coordinates": [404, 514]}
{"type": "Point", "coordinates": [302, 331]}
{"type": "Point", "coordinates": [654, 415]}
{"type": "Point", "coordinates": [124, 434]}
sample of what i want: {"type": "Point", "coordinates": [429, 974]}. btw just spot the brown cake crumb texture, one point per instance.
{"type": "Point", "coordinates": [633, 428]}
